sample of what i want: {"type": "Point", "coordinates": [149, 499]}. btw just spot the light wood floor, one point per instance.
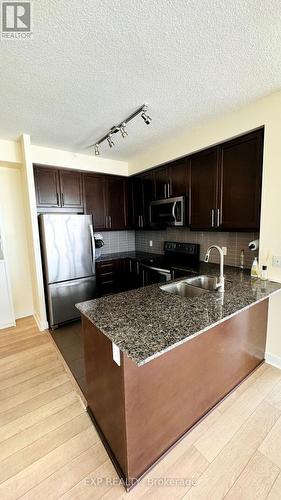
{"type": "Point", "coordinates": [49, 448]}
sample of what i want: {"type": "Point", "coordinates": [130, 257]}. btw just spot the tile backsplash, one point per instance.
{"type": "Point", "coordinates": [118, 241]}
{"type": "Point", "coordinates": [128, 241]}
{"type": "Point", "coordinates": [234, 242]}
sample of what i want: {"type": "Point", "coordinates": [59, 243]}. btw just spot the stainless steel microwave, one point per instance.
{"type": "Point", "coordinates": [168, 212]}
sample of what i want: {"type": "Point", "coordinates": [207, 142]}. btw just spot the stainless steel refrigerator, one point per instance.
{"type": "Point", "coordinates": [68, 252]}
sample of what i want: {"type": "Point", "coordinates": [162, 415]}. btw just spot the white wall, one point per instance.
{"type": "Point", "coordinates": [68, 159]}
{"type": "Point", "coordinates": [14, 222]}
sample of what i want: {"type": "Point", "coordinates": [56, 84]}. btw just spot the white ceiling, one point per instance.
{"type": "Point", "coordinates": [91, 63]}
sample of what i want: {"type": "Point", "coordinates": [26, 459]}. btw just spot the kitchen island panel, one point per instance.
{"type": "Point", "coordinates": [105, 392]}
{"type": "Point", "coordinates": [166, 397]}
{"type": "Point", "coordinates": [144, 410]}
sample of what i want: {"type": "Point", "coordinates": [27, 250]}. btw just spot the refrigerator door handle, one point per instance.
{"type": "Point", "coordinates": [93, 248]}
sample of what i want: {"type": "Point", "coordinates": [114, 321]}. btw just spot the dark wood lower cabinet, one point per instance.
{"type": "Point", "coordinates": [118, 275]}
{"type": "Point", "coordinates": [141, 412]}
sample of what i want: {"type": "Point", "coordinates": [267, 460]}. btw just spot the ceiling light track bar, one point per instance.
{"type": "Point", "coordinates": [142, 110]}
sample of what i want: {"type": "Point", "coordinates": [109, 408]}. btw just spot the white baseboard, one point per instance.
{"type": "Point", "coordinates": [7, 325]}
{"type": "Point", "coordinates": [273, 360]}
{"type": "Point", "coordinates": [42, 325]}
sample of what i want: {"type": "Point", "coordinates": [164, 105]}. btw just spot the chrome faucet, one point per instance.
{"type": "Point", "coordinates": [220, 284]}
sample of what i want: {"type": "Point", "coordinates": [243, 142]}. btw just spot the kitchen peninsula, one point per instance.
{"type": "Point", "coordinates": [156, 362]}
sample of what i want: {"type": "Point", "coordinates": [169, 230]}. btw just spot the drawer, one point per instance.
{"type": "Point", "coordinates": [102, 266]}
{"type": "Point", "coordinates": [107, 287]}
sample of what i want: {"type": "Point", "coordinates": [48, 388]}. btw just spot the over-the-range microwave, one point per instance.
{"type": "Point", "coordinates": [168, 212]}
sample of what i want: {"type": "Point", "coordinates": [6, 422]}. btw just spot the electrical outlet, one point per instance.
{"type": "Point", "coordinates": [224, 250]}
{"type": "Point", "coordinates": [150, 243]}
{"type": "Point", "coordinates": [276, 260]}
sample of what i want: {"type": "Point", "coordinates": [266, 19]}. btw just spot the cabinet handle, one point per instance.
{"type": "Point", "coordinates": [212, 217]}
{"type": "Point", "coordinates": [106, 221]}
{"type": "Point", "coordinates": [58, 199]}
{"type": "Point", "coordinates": [130, 265]}
{"type": "Point", "coordinates": [165, 190]}
{"type": "Point", "coordinates": [138, 267]}
{"type": "Point", "coordinates": [218, 218]}
{"type": "Point", "coordinates": [141, 220]}
{"type": "Point", "coordinates": [109, 217]}
{"type": "Point", "coordinates": [168, 189]}
{"type": "Point", "coordinates": [62, 199]}
{"type": "Point", "coordinates": [139, 224]}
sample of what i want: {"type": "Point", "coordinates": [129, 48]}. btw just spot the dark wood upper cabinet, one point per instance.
{"type": "Point", "coordinates": [148, 183]}
{"type": "Point", "coordinates": [171, 180]}
{"type": "Point", "coordinates": [71, 189]}
{"type": "Point", "coordinates": [240, 164]}
{"type": "Point", "coordinates": [106, 199]}
{"type": "Point", "coordinates": [138, 202]}
{"type": "Point", "coordinates": [117, 203]}
{"type": "Point", "coordinates": [203, 189]}
{"type": "Point", "coordinates": [178, 178]}
{"type": "Point", "coordinates": [161, 177]}
{"type": "Point", "coordinates": [143, 192]}
{"type": "Point", "coordinates": [95, 199]}
{"type": "Point", "coordinates": [47, 187]}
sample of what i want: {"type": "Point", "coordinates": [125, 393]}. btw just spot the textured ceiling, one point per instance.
{"type": "Point", "coordinates": [91, 63]}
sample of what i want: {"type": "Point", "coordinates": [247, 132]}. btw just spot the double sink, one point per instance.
{"type": "Point", "coordinates": [193, 287]}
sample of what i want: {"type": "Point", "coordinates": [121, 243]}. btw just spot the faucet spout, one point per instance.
{"type": "Point", "coordinates": [220, 284]}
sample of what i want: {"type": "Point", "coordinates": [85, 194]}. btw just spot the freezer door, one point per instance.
{"type": "Point", "coordinates": [62, 298]}
{"type": "Point", "coordinates": [67, 246]}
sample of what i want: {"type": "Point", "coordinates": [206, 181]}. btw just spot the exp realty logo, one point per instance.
{"type": "Point", "coordinates": [16, 20]}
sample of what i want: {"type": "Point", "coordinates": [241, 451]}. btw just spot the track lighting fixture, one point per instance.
{"type": "Point", "coordinates": [123, 131]}
{"type": "Point", "coordinates": [110, 141]}
{"type": "Point", "coordinates": [146, 118]}
{"type": "Point", "coordinates": [122, 128]}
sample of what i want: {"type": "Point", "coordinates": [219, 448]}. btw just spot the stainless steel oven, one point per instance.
{"type": "Point", "coordinates": [168, 212]}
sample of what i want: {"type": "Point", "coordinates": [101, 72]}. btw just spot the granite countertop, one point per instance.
{"type": "Point", "coordinates": [147, 322]}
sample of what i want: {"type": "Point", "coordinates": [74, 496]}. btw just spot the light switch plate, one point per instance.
{"type": "Point", "coordinates": [224, 250]}
{"type": "Point", "coordinates": [276, 260]}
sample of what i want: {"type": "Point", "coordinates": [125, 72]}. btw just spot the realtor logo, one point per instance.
{"type": "Point", "coordinates": [16, 19]}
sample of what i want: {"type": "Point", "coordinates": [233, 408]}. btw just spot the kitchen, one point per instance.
{"type": "Point", "coordinates": [140, 331]}
{"type": "Point", "coordinates": [180, 198]}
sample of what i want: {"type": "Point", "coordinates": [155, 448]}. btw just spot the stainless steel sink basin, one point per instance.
{"type": "Point", "coordinates": [205, 282]}
{"type": "Point", "coordinates": [183, 289]}
{"type": "Point", "coordinates": [193, 287]}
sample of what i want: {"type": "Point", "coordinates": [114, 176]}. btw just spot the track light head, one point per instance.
{"type": "Point", "coordinates": [110, 141]}
{"type": "Point", "coordinates": [123, 130]}
{"type": "Point", "coordinates": [97, 151]}
{"type": "Point", "coordinates": [145, 117]}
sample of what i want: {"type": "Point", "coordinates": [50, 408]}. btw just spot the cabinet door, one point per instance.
{"type": "Point", "coordinates": [203, 189]}
{"type": "Point", "coordinates": [161, 183]}
{"type": "Point", "coordinates": [178, 178]}
{"type": "Point", "coordinates": [148, 196]}
{"type": "Point", "coordinates": [47, 187]}
{"type": "Point", "coordinates": [138, 202]}
{"type": "Point", "coordinates": [240, 182]}
{"type": "Point", "coordinates": [95, 199]}
{"type": "Point", "coordinates": [71, 189]}
{"type": "Point", "coordinates": [116, 203]}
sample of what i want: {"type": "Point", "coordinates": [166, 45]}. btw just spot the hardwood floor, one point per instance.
{"type": "Point", "coordinates": [49, 448]}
